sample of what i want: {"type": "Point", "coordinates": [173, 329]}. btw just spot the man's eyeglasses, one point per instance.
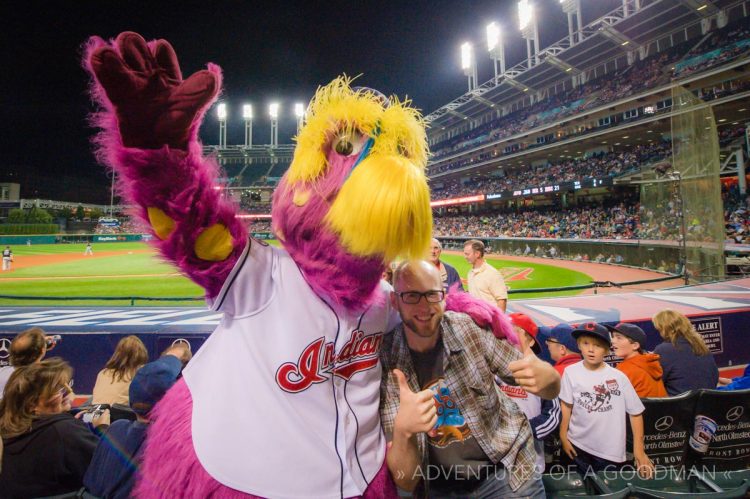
{"type": "Point", "coordinates": [413, 297]}
{"type": "Point", "coordinates": [553, 341]}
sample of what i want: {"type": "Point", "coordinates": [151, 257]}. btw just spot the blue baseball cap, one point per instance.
{"type": "Point", "coordinates": [152, 381]}
{"type": "Point", "coordinates": [562, 333]}
{"type": "Point", "coordinates": [593, 329]}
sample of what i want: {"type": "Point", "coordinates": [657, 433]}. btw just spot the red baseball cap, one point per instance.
{"type": "Point", "coordinates": [524, 322]}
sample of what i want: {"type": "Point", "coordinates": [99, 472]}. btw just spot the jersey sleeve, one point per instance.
{"type": "Point", "coordinates": [566, 388]}
{"type": "Point", "coordinates": [633, 404]}
{"type": "Point", "coordinates": [249, 285]}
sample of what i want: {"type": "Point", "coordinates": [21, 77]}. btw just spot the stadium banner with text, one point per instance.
{"type": "Point", "coordinates": [117, 238]}
{"type": "Point", "coordinates": [586, 183]}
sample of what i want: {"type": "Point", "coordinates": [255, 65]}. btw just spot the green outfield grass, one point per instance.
{"type": "Point", "coordinates": [136, 273]}
{"type": "Point", "coordinates": [542, 276]}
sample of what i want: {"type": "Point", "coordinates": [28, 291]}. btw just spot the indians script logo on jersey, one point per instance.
{"type": "Point", "coordinates": [599, 400]}
{"type": "Point", "coordinates": [319, 358]}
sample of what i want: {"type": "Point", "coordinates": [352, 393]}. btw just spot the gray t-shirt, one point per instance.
{"type": "Point", "coordinates": [454, 454]}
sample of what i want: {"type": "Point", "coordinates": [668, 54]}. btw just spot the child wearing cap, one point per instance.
{"type": "Point", "coordinates": [543, 415]}
{"type": "Point", "coordinates": [595, 400]}
{"type": "Point", "coordinates": [643, 369]}
{"type": "Point", "coordinates": [563, 348]}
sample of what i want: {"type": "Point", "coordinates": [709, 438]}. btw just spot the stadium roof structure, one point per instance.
{"type": "Point", "coordinates": [606, 38]}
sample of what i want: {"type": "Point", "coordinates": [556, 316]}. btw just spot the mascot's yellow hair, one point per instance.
{"type": "Point", "coordinates": [384, 206]}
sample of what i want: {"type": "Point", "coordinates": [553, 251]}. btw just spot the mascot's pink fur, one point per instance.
{"type": "Point", "coordinates": [149, 121]}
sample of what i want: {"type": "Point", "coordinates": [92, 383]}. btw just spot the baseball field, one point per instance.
{"type": "Point", "coordinates": [135, 270]}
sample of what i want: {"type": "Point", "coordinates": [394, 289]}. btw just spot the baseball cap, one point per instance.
{"type": "Point", "coordinates": [152, 381]}
{"type": "Point", "coordinates": [562, 334]}
{"type": "Point", "coordinates": [631, 331]}
{"type": "Point", "coordinates": [592, 329]}
{"type": "Point", "coordinates": [524, 322]}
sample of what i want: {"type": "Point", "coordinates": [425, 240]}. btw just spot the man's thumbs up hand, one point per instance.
{"type": "Point", "coordinates": [416, 411]}
{"type": "Point", "coordinates": [535, 375]}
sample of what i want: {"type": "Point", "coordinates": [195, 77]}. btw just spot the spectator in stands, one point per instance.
{"type": "Point", "coordinates": [485, 281]}
{"type": "Point", "coordinates": [595, 400]}
{"type": "Point", "coordinates": [448, 274]}
{"type": "Point", "coordinates": [543, 415]}
{"type": "Point", "coordinates": [46, 450]}
{"type": "Point", "coordinates": [27, 347]}
{"type": "Point", "coordinates": [563, 348]}
{"type": "Point", "coordinates": [687, 363]}
{"type": "Point", "coordinates": [643, 369]}
{"type": "Point", "coordinates": [451, 360]}
{"type": "Point", "coordinates": [113, 382]}
{"type": "Point", "coordinates": [112, 471]}
{"type": "Point", "coordinates": [738, 383]}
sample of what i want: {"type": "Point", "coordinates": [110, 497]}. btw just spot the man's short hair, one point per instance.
{"type": "Point", "coordinates": [476, 245]}
{"type": "Point", "coordinates": [437, 241]}
{"type": "Point", "coordinates": [27, 347]}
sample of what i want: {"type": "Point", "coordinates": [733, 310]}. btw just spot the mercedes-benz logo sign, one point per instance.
{"type": "Point", "coordinates": [182, 341]}
{"type": "Point", "coordinates": [4, 348]}
{"type": "Point", "coordinates": [663, 423]}
{"type": "Point", "coordinates": [735, 413]}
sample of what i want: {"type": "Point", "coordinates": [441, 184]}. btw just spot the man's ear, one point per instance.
{"type": "Point", "coordinates": [394, 300]}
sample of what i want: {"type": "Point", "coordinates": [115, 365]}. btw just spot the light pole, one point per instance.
{"type": "Point", "coordinates": [247, 115]}
{"type": "Point", "coordinates": [112, 196]}
{"type": "Point", "coordinates": [496, 48]}
{"type": "Point", "coordinates": [273, 111]}
{"type": "Point", "coordinates": [221, 113]}
{"type": "Point", "coordinates": [299, 112]}
{"type": "Point", "coordinates": [529, 30]}
{"type": "Point", "coordinates": [573, 8]}
{"type": "Point", "coordinates": [469, 64]}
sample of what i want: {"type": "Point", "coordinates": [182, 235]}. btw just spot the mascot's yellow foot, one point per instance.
{"type": "Point", "coordinates": [162, 224]}
{"type": "Point", "coordinates": [214, 244]}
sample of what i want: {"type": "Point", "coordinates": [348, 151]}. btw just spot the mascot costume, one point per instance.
{"type": "Point", "coordinates": [282, 399]}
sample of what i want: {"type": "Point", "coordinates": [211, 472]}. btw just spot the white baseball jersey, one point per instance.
{"type": "Point", "coordinates": [600, 399]}
{"type": "Point", "coordinates": [286, 391]}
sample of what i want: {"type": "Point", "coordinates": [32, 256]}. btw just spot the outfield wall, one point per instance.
{"type": "Point", "coordinates": [720, 312]}
{"type": "Point", "coordinates": [33, 239]}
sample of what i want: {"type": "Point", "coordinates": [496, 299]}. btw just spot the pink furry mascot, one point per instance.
{"type": "Point", "coordinates": [282, 400]}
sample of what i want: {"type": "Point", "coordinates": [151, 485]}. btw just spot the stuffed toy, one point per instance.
{"type": "Point", "coordinates": [282, 399]}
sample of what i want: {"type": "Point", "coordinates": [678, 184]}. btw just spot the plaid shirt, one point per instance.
{"type": "Point", "coordinates": [472, 355]}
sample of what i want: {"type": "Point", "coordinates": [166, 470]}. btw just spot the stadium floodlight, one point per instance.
{"type": "Point", "coordinates": [469, 64]}
{"type": "Point", "coordinates": [273, 111]}
{"type": "Point", "coordinates": [247, 115]}
{"type": "Point", "coordinates": [496, 48]}
{"type": "Point", "coordinates": [573, 8]}
{"type": "Point", "coordinates": [247, 111]}
{"type": "Point", "coordinates": [529, 30]}
{"type": "Point", "coordinates": [221, 113]}
{"type": "Point", "coordinates": [299, 112]}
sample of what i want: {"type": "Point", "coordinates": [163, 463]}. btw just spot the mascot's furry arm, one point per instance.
{"type": "Point", "coordinates": [149, 120]}
{"type": "Point", "coordinates": [482, 313]}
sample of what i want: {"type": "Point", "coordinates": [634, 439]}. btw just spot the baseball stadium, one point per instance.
{"type": "Point", "coordinates": [603, 176]}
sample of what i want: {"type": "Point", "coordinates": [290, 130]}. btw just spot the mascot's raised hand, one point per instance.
{"type": "Point", "coordinates": [153, 104]}
{"type": "Point", "coordinates": [149, 119]}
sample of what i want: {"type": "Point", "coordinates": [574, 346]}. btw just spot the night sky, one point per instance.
{"type": "Point", "coordinates": [279, 50]}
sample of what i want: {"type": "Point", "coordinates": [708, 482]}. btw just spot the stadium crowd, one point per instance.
{"type": "Point", "coordinates": [50, 447]}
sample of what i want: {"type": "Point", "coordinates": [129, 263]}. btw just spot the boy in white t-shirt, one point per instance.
{"type": "Point", "coordinates": [595, 399]}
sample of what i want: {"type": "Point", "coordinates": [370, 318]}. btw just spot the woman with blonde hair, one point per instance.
{"type": "Point", "coordinates": [687, 363]}
{"type": "Point", "coordinates": [113, 382]}
{"type": "Point", "coordinates": [46, 451]}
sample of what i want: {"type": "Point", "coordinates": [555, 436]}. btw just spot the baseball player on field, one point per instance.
{"type": "Point", "coordinates": [7, 258]}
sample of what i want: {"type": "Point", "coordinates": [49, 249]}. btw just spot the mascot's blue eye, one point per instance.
{"type": "Point", "coordinates": [348, 144]}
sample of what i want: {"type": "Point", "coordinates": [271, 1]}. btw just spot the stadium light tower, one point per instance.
{"type": "Point", "coordinates": [247, 116]}
{"type": "Point", "coordinates": [529, 30]}
{"type": "Point", "coordinates": [273, 111]}
{"type": "Point", "coordinates": [496, 48]}
{"type": "Point", "coordinates": [573, 8]}
{"type": "Point", "coordinates": [221, 113]}
{"type": "Point", "coordinates": [469, 64]}
{"type": "Point", "coordinates": [299, 112]}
